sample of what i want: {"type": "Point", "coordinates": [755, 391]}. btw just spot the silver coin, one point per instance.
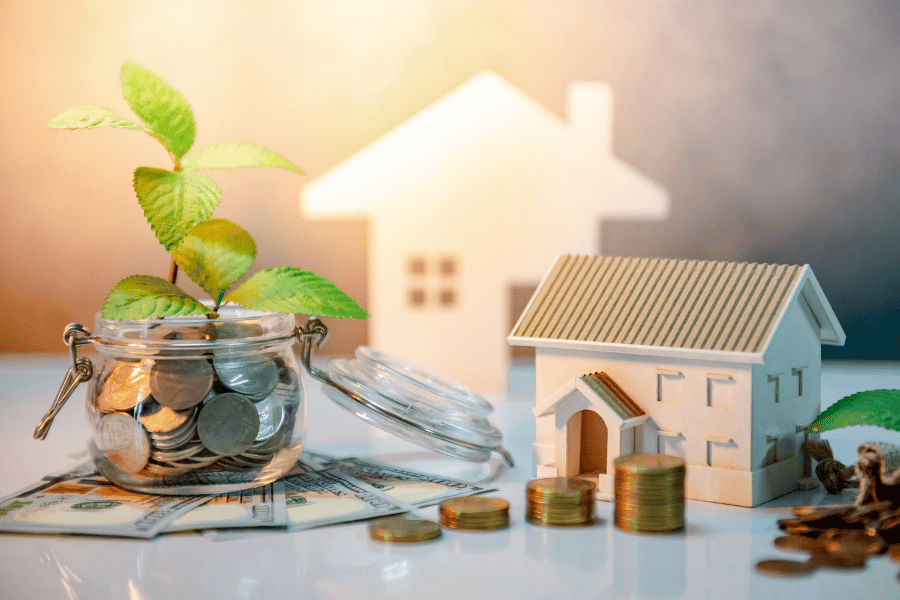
{"type": "Point", "coordinates": [165, 456]}
{"type": "Point", "coordinates": [124, 441]}
{"type": "Point", "coordinates": [228, 424]}
{"type": "Point", "coordinates": [251, 376]}
{"type": "Point", "coordinates": [271, 416]}
{"type": "Point", "coordinates": [126, 385]}
{"type": "Point", "coordinates": [171, 443]}
{"type": "Point", "coordinates": [180, 384]}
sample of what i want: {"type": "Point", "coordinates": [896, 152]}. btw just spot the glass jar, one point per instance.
{"type": "Point", "coordinates": [190, 405]}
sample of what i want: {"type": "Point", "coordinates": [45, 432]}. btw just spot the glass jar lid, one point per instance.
{"type": "Point", "coordinates": [409, 401]}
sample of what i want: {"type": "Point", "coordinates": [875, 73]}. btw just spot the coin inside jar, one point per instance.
{"type": "Point", "coordinates": [124, 441]}
{"type": "Point", "coordinates": [180, 384]}
{"type": "Point", "coordinates": [126, 385]}
{"type": "Point", "coordinates": [252, 376]}
{"type": "Point", "coordinates": [228, 424]}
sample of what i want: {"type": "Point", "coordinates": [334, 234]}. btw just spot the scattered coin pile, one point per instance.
{"type": "Point", "coordinates": [400, 530]}
{"type": "Point", "coordinates": [837, 537]}
{"type": "Point", "coordinates": [560, 501]}
{"type": "Point", "coordinates": [475, 512]}
{"type": "Point", "coordinates": [167, 416]}
{"type": "Point", "coordinates": [649, 493]}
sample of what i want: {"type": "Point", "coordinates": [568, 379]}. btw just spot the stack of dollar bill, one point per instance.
{"type": "Point", "coordinates": [320, 490]}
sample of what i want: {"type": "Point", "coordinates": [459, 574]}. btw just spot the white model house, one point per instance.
{"type": "Point", "coordinates": [475, 194]}
{"type": "Point", "coordinates": [718, 363]}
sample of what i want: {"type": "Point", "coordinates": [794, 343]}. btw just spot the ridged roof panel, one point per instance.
{"type": "Point", "coordinates": [702, 305]}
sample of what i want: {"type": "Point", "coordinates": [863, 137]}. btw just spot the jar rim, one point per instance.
{"type": "Point", "coordinates": [236, 326]}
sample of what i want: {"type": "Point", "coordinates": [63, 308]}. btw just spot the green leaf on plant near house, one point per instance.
{"type": "Point", "coordinates": [215, 254]}
{"type": "Point", "coordinates": [145, 297]}
{"type": "Point", "coordinates": [163, 109]}
{"type": "Point", "coordinates": [228, 155]}
{"type": "Point", "coordinates": [290, 290]}
{"type": "Point", "coordinates": [89, 117]}
{"type": "Point", "coordinates": [174, 202]}
{"type": "Point", "coordinates": [880, 408]}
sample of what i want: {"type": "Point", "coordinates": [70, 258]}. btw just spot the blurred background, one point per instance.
{"type": "Point", "coordinates": [774, 126]}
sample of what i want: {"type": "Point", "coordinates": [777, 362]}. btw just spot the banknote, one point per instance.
{"type": "Point", "coordinates": [406, 486]}
{"type": "Point", "coordinates": [262, 506]}
{"type": "Point", "coordinates": [317, 498]}
{"type": "Point", "coordinates": [82, 501]}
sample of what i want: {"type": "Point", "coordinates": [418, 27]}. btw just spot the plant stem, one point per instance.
{"type": "Point", "coordinates": [173, 272]}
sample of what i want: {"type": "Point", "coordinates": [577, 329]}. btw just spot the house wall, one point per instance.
{"type": "Point", "coordinates": [795, 348]}
{"type": "Point", "coordinates": [717, 435]}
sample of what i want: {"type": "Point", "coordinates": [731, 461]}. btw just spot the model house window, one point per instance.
{"type": "Point", "coordinates": [797, 382]}
{"type": "Point", "coordinates": [668, 385]}
{"type": "Point", "coordinates": [447, 266]}
{"type": "Point", "coordinates": [720, 452]}
{"type": "Point", "coordinates": [448, 297]}
{"type": "Point", "coordinates": [719, 390]}
{"type": "Point", "coordinates": [775, 380]}
{"type": "Point", "coordinates": [781, 447]}
{"type": "Point", "coordinates": [671, 443]}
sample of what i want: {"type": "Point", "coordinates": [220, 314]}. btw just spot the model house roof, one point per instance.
{"type": "Point", "coordinates": [637, 304]}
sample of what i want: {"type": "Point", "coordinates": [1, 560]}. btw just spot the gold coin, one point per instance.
{"type": "Point", "coordinates": [800, 511]}
{"type": "Point", "coordinates": [797, 543]}
{"type": "Point", "coordinates": [895, 552]}
{"type": "Point", "coordinates": [649, 464]}
{"type": "Point", "coordinates": [475, 512]}
{"type": "Point", "coordinates": [855, 543]}
{"type": "Point", "coordinates": [786, 568]}
{"type": "Point", "coordinates": [560, 486]}
{"type": "Point", "coordinates": [400, 530]}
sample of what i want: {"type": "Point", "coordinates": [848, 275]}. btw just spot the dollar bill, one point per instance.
{"type": "Point", "coordinates": [317, 498]}
{"type": "Point", "coordinates": [83, 502]}
{"type": "Point", "coordinates": [262, 506]}
{"type": "Point", "coordinates": [406, 486]}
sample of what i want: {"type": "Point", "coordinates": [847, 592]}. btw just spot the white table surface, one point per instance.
{"type": "Point", "coordinates": [714, 557]}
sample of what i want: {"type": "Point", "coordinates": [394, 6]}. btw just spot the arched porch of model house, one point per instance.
{"type": "Point", "coordinates": [595, 422]}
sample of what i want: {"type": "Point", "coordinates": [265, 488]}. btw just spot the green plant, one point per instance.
{"type": "Point", "coordinates": [880, 408]}
{"type": "Point", "coordinates": [178, 204]}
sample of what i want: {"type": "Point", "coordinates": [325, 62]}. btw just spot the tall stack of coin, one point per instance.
{"type": "Point", "coordinates": [560, 501]}
{"type": "Point", "coordinates": [649, 493]}
{"type": "Point", "coordinates": [475, 512]}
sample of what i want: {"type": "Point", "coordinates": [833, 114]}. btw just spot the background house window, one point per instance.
{"type": "Point", "coordinates": [416, 265]}
{"type": "Point", "coordinates": [416, 297]}
{"type": "Point", "coordinates": [775, 379]}
{"type": "Point", "coordinates": [668, 385]}
{"type": "Point", "coordinates": [448, 298]}
{"type": "Point", "coordinates": [719, 390]}
{"type": "Point", "coordinates": [447, 266]}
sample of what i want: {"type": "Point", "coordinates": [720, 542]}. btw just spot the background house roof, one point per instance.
{"type": "Point", "coordinates": [667, 303]}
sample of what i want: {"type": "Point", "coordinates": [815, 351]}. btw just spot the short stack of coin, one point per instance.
{"type": "Point", "coordinates": [400, 530]}
{"type": "Point", "coordinates": [560, 501]}
{"type": "Point", "coordinates": [475, 512]}
{"type": "Point", "coordinates": [649, 493]}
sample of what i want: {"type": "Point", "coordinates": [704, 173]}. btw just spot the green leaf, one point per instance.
{"type": "Point", "coordinates": [163, 109]}
{"type": "Point", "coordinates": [89, 117]}
{"type": "Point", "coordinates": [215, 254]}
{"type": "Point", "coordinates": [290, 290]}
{"type": "Point", "coordinates": [877, 407]}
{"type": "Point", "coordinates": [174, 201]}
{"type": "Point", "coordinates": [146, 297]}
{"type": "Point", "coordinates": [228, 155]}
